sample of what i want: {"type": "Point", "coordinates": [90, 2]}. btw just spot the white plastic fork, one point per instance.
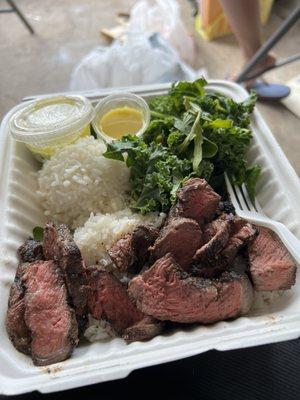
{"type": "Point", "coordinates": [254, 213]}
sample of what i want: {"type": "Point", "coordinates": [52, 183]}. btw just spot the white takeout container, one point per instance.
{"type": "Point", "coordinates": [268, 322]}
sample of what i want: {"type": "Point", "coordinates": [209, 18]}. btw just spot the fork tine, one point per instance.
{"type": "Point", "coordinates": [258, 207]}
{"type": "Point", "coordinates": [254, 206]}
{"type": "Point", "coordinates": [242, 199]}
{"type": "Point", "coordinates": [251, 205]}
{"type": "Point", "coordinates": [234, 198]}
{"type": "Point", "coordinates": [232, 194]}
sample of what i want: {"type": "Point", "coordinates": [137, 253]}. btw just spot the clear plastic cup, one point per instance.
{"type": "Point", "coordinates": [47, 125]}
{"type": "Point", "coordinates": [120, 100]}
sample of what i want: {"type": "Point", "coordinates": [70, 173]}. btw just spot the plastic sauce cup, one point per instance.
{"type": "Point", "coordinates": [119, 101]}
{"type": "Point", "coordinates": [49, 124]}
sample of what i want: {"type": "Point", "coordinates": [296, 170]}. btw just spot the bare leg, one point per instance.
{"type": "Point", "coordinates": [244, 19]}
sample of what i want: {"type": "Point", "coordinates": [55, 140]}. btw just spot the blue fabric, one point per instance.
{"type": "Point", "coordinates": [270, 91]}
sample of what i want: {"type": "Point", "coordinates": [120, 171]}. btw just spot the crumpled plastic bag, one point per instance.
{"type": "Point", "coordinates": [162, 16]}
{"type": "Point", "coordinates": [139, 60]}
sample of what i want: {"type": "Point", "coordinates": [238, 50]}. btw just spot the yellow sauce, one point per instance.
{"type": "Point", "coordinates": [121, 121]}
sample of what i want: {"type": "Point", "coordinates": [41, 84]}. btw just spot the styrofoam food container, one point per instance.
{"type": "Point", "coordinates": [274, 317]}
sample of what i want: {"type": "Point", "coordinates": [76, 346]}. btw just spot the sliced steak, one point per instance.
{"type": "Point", "coordinates": [168, 293]}
{"type": "Point", "coordinates": [122, 253]}
{"type": "Point", "coordinates": [145, 329]}
{"type": "Point", "coordinates": [15, 322]}
{"type": "Point", "coordinates": [271, 265]}
{"type": "Point", "coordinates": [31, 250]}
{"type": "Point", "coordinates": [60, 246]}
{"type": "Point", "coordinates": [132, 251]}
{"type": "Point", "coordinates": [50, 320]}
{"type": "Point", "coordinates": [143, 237]}
{"type": "Point", "coordinates": [209, 271]}
{"type": "Point", "coordinates": [215, 237]}
{"type": "Point", "coordinates": [196, 200]}
{"type": "Point", "coordinates": [109, 300]}
{"type": "Point", "coordinates": [181, 237]}
{"type": "Point", "coordinates": [225, 207]}
{"type": "Point", "coordinates": [243, 232]}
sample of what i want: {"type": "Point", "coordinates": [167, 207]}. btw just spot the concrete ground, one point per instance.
{"type": "Point", "coordinates": [68, 29]}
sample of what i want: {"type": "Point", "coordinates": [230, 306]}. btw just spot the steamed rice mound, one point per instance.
{"type": "Point", "coordinates": [100, 232]}
{"type": "Point", "coordinates": [78, 180]}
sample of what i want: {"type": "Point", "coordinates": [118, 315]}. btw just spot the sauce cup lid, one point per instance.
{"type": "Point", "coordinates": [49, 118]}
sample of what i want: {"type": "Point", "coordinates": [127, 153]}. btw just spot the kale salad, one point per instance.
{"type": "Point", "coordinates": [193, 132]}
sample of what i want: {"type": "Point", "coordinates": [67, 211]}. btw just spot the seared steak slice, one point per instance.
{"type": "Point", "coordinates": [215, 237]}
{"type": "Point", "coordinates": [133, 249]}
{"type": "Point", "coordinates": [225, 207]}
{"type": "Point", "coordinates": [196, 200]}
{"type": "Point", "coordinates": [15, 322]}
{"type": "Point", "coordinates": [181, 237]}
{"type": "Point", "coordinates": [109, 300]}
{"type": "Point", "coordinates": [31, 250]}
{"type": "Point", "coordinates": [271, 265]}
{"type": "Point", "coordinates": [208, 271]}
{"type": "Point", "coordinates": [168, 293]}
{"type": "Point", "coordinates": [143, 237]}
{"type": "Point", "coordinates": [50, 320]}
{"type": "Point", "coordinates": [145, 329]}
{"type": "Point", "coordinates": [60, 246]}
{"type": "Point", "coordinates": [242, 233]}
{"type": "Point", "coordinates": [122, 253]}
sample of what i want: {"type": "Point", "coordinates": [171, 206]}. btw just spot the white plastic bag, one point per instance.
{"type": "Point", "coordinates": [139, 60]}
{"type": "Point", "coordinates": [162, 16]}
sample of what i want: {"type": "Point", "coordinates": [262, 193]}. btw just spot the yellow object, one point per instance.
{"type": "Point", "coordinates": [120, 114]}
{"type": "Point", "coordinates": [212, 23]}
{"type": "Point", "coordinates": [121, 121]}
{"type": "Point", "coordinates": [42, 151]}
{"type": "Point", "coordinates": [49, 124]}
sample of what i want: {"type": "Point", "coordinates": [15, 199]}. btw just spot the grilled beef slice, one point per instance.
{"type": "Point", "coordinates": [145, 329]}
{"type": "Point", "coordinates": [241, 233]}
{"type": "Point", "coordinates": [122, 253]}
{"type": "Point", "coordinates": [181, 237]}
{"type": "Point", "coordinates": [31, 250]}
{"type": "Point", "coordinates": [60, 246]}
{"type": "Point", "coordinates": [225, 207]}
{"type": "Point", "coordinates": [15, 322]}
{"type": "Point", "coordinates": [196, 200]}
{"type": "Point", "coordinates": [143, 237]}
{"type": "Point", "coordinates": [215, 238]}
{"type": "Point", "coordinates": [167, 292]}
{"type": "Point", "coordinates": [109, 300]}
{"type": "Point", "coordinates": [271, 265]}
{"type": "Point", "coordinates": [132, 249]}
{"type": "Point", "coordinates": [50, 320]}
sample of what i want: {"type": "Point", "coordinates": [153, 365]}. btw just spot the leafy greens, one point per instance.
{"type": "Point", "coordinates": [192, 132]}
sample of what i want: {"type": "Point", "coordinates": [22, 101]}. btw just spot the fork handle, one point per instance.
{"type": "Point", "coordinates": [287, 237]}
{"type": "Point", "coordinates": [289, 240]}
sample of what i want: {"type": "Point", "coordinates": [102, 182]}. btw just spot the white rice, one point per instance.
{"type": "Point", "coordinates": [101, 230]}
{"type": "Point", "coordinates": [98, 330]}
{"type": "Point", "coordinates": [78, 180]}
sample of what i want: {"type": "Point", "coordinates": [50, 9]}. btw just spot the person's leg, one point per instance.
{"type": "Point", "coordinates": [244, 19]}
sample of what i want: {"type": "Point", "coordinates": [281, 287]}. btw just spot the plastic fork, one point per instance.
{"type": "Point", "coordinates": [245, 208]}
